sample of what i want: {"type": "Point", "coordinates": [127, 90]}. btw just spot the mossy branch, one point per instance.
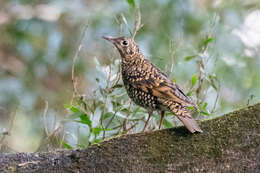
{"type": "Point", "coordinates": [230, 143]}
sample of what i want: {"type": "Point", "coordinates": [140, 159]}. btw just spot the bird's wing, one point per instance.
{"type": "Point", "coordinates": [150, 79]}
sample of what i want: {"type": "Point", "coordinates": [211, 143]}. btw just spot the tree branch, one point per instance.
{"type": "Point", "coordinates": [230, 143]}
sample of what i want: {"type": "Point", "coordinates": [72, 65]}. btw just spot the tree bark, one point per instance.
{"type": "Point", "coordinates": [230, 143]}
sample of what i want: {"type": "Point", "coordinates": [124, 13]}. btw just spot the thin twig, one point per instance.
{"type": "Point", "coordinates": [172, 55]}
{"type": "Point", "coordinates": [45, 117]}
{"type": "Point", "coordinates": [73, 78]}
{"type": "Point", "coordinates": [216, 100]}
{"type": "Point", "coordinates": [138, 23]}
{"type": "Point", "coordinates": [127, 116]}
{"type": "Point", "coordinates": [117, 76]}
{"type": "Point", "coordinates": [133, 126]}
{"type": "Point", "coordinates": [110, 120]}
{"type": "Point", "coordinates": [105, 100]}
{"type": "Point", "coordinates": [199, 82]}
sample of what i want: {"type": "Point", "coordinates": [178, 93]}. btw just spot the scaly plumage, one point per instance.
{"type": "Point", "coordinates": [149, 87]}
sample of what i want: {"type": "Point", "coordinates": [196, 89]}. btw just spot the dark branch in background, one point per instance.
{"type": "Point", "coordinates": [230, 143]}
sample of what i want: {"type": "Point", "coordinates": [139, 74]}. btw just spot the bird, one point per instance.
{"type": "Point", "coordinates": [149, 87]}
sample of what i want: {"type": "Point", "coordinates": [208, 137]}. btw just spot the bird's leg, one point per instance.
{"type": "Point", "coordinates": [149, 115]}
{"type": "Point", "coordinates": [162, 115]}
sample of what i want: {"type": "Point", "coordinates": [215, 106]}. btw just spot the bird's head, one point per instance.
{"type": "Point", "coordinates": [126, 46]}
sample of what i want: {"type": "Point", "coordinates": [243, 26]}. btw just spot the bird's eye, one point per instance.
{"type": "Point", "coordinates": [124, 43]}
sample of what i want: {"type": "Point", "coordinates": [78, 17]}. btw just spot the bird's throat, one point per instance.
{"type": "Point", "coordinates": [134, 59]}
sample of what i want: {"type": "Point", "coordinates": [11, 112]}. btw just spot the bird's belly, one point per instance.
{"type": "Point", "coordinates": [142, 98]}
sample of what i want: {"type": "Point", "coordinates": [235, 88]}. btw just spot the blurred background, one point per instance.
{"type": "Point", "coordinates": [210, 48]}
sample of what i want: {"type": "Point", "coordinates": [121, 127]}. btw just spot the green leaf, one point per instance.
{"type": "Point", "coordinates": [214, 86]}
{"type": "Point", "coordinates": [204, 106]}
{"type": "Point", "coordinates": [206, 42]}
{"type": "Point", "coordinates": [109, 130]}
{"type": "Point", "coordinates": [213, 80]}
{"type": "Point", "coordinates": [67, 106]}
{"type": "Point", "coordinates": [166, 123]}
{"type": "Point", "coordinates": [131, 2]}
{"type": "Point", "coordinates": [84, 119]}
{"type": "Point", "coordinates": [205, 113]}
{"type": "Point", "coordinates": [72, 108]}
{"type": "Point", "coordinates": [97, 141]}
{"type": "Point", "coordinates": [66, 145]}
{"type": "Point", "coordinates": [193, 80]}
{"type": "Point", "coordinates": [97, 130]}
{"type": "Point", "coordinates": [108, 114]}
{"type": "Point", "coordinates": [190, 108]}
{"type": "Point", "coordinates": [188, 58]}
{"type": "Point", "coordinates": [189, 93]}
{"type": "Point", "coordinates": [124, 110]}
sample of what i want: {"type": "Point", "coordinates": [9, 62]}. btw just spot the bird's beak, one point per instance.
{"type": "Point", "coordinates": [111, 39]}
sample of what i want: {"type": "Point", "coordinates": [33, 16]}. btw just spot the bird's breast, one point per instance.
{"type": "Point", "coordinates": [142, 98]}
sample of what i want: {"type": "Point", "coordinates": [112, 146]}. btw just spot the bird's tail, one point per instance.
{"type": "Point", "coordinates": [190, 123]}
{"type": "Point", "coordinates": [185, 116]}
